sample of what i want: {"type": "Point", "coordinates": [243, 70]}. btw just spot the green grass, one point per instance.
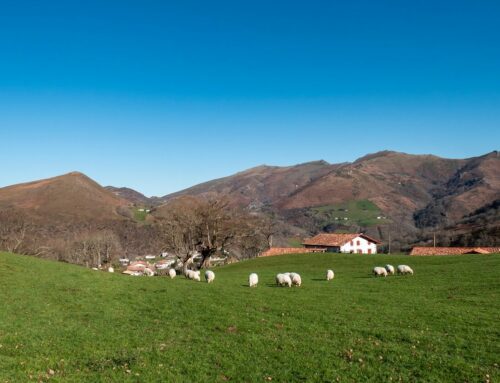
{"type": "Point", "coordinates": [442, 324]}
{"type": "Point", "coordinates": [295, 242]}
{"type": "Point", "coordinates": [362, 213]}
{"type": "Point", "coordinates": [140, 215]}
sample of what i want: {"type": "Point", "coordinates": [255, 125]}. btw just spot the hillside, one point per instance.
{"type": "Point", "coordinates": [74, 219]}
{"type": "Point", "coordinates": [70, 197]}
{"type": "Point", "coordinates": [82, 325]}
{"type": "Point", "coordinates": [411, 192]}
{"type": "Point", "coordinates": [133, 196]}
{"type": "Point", "coordinates": [409, 198]}
{"type": "Point", "coordinates": [260, 186]}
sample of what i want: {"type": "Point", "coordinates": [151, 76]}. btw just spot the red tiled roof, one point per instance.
{"type": "Point", "coordinates": [335, 239]}
{"type": "Point", "coordinates": [424, 250]}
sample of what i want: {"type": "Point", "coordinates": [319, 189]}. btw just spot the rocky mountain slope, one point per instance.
{"type": "Point", "coordinates": [413, 193]}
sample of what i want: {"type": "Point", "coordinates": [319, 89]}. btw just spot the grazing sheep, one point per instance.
{"type": "Point", "coordinates": [283, 280]}
{"type": "Point", "coordinates": [209, 276]}
{"type": "Point", "coordinates": [253, 279]}
{"type": "Point", "coordinates": [296, 279]}
{"type": "Point", "coordinates": [172, 273]}
{"type": "Point", "coordinates": [149, 272]}
{"type": "Point", "coordinates": [390, 269]}
{"type": "Point", "coordinates": [111, 269]}
{"type": "Point", "coordinates": [378, 271]}
{"type": "Point", "coordinates": [404, 269]}
{"type": "Point", "coordinates": [196, 275]}
{"type": "Point", "coordinates": [329, 275]}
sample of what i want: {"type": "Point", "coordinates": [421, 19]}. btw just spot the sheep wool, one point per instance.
{"type": "Point", "coordinates": [283, 280]}
{"type": "Point", "coordinates": [209, 276]}
{"type": "Point", "coordinates": [296, 279]}
{"type": "Point", "coordinates": [329, 275]}
{"type": "Point", "coordinates": [405, 269]}
{"type": "Point", "coordinates": [253, 280]}
{"type": "Point", "coordinates": [196, 276]}
{"type": "Point", "coordinates": [172, 274]}
{"type": "Point", "coordinates": [389, 269]}
{"type": "Point", "coordinates": [379, 271]}
{"type": "Point", "coordinates": [149, 272]}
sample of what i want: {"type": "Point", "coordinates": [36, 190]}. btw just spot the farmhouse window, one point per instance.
{"type": "Point", "coordinates": [358, 243]}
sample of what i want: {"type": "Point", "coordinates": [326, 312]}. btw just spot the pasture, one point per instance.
{"type": "Point", "coordinates": [64, 323]}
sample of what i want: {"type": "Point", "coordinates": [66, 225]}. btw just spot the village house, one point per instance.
{"type": "Point", "coordinates": [343, 243]}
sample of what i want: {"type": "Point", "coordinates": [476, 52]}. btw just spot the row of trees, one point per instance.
{"type": "Point", "coordinates": [184, 226]}
{"type": "Point", "coordinates": [211, 226]}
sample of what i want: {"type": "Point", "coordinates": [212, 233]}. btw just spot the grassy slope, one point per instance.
{"type": "Point", "coordinates": [140, 215]}
{"type": "Point", "coordinates": [439, 325]}
{"type": "Point", "coordinates": [362, 212]}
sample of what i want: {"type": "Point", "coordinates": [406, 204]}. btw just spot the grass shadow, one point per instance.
{"type": "Point", "coordinates": [273, 285]}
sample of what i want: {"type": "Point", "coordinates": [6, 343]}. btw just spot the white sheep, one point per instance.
{"type": "Point", "coordinates": [209, 276]}
{"type": "Point", "coordinates": [149, 272]}
{"type": "Point", "coordinates": [111, 269]}
{"type": "Point", "coordinates": [405, 269]}
{"type": "Point", "coordinates": [389, 269]}
{"type": "Point", "coordinates": [253, 279]}
{"type": "Point", "coordinates": [296, 279]}
{"type": "Point", "coordinates": [196, 275]}
{"type": "Point", "coordinates": [329, 275]}
{"type": "Point", "coordinates": [283, 280]}
{"type": "Point", "coordinates": [378, 271]}
{"type": "Point", "coordinates": [189, 274]}
{"type": "Point", "coordinates": [172, 273]}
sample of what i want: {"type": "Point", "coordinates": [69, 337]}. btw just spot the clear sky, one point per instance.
{"type": "Point", "coordinates": [161, 95]}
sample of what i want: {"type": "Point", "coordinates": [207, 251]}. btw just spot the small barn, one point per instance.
{"type": "Point", "coordinates": [358, 243]}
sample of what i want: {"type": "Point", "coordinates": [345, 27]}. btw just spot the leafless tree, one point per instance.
{"type": "Point", "coordinates": [14, 230]}
{"type": "Point", "coordinates": [207, 226]}
{"type": "Point", "coordinates": [94, 249]}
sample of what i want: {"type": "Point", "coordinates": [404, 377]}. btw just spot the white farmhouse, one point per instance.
{"type": "Point", "coordinates": [343, 243]}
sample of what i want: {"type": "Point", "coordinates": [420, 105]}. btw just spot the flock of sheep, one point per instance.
{"type": "Point", "coordinates": [389, 269]}
{"type": "Point", "coordinates": [292, 279]}
{"type": "Point", "coordinates": [194, 275]}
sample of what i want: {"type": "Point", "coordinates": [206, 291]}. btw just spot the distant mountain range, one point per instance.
{"type": "Point", "coordinates": [383, 194]}
{"type": "Point", "coordinates": [408, 193]}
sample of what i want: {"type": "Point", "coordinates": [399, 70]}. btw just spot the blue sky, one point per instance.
{"type": "Point", "coordinates": [160, 95]}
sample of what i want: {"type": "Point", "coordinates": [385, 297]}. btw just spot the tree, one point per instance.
{"type": "Point", "coordinates": [96, 248]}
{"type": "Point", "coordinates": [208, 226]}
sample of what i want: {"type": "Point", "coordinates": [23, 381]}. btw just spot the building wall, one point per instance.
{"type": "Point", "coordinates": [359, 244]}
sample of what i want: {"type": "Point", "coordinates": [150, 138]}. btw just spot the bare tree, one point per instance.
{"type": "Point", "coordinates": [207, 226]}
{"type": "Point", "coordinates": [14, 230]}
{"type": "Point", "coordinates": [94, 249]}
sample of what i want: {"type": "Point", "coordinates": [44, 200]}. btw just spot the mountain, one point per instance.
{"type": "Point", "coordinates": [133, 196]}
{"type": "Point", "coordinates": [260, 186]}
{"type": "Point", "coordinates": [402, 197]}
{"type": "Point", "coordinates": [382, 193]}
{"type": "Point", "coordinates": [70, 197]}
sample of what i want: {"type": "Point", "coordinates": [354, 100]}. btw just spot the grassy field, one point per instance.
{"type": "Point", "coordinates": [63, 323]}
{"type": "Point", "coordinates": [140, 215]}
{"type": "Point", "coordinates": [362, 212]}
